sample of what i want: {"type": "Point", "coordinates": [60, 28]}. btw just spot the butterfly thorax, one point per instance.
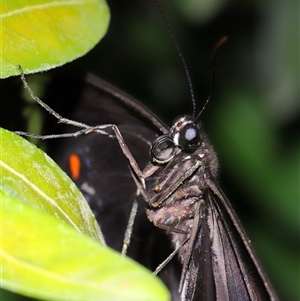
{"type": "Point", "coordinates": [177, 192]}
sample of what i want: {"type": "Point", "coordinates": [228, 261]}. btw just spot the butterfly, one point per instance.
{"type": "Point", "coordinates": [175, 171]}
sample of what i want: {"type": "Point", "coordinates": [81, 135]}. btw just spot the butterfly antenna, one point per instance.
{"type": "Point", "coordinates": [180, 55]}
{"type": "Point", "coordinates": [213, 77]}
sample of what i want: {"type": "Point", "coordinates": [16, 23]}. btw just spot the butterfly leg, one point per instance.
{"type": "Point", "coordinates": [52, 112]}
{"type": "Point", "coordinates": [127, 236]}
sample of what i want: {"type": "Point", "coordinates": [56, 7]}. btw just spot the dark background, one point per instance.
{"type": "Point", "coordinates": [252, 119]}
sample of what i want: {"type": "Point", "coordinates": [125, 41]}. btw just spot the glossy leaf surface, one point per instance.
{"type": "Point", "coordinates": [42, 34]}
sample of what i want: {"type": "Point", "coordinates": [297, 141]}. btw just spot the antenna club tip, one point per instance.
{"type": "Point", "coordinates": [221, 42]}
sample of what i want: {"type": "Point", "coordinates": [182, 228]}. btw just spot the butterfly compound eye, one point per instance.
{"type": "Point", "coordinates": [189, 137]}
{"type": "Point", "coordinates": [162, 149]}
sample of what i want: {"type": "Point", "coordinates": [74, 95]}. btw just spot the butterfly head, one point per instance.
{"type": "Point", "coordinates": [184, 135]}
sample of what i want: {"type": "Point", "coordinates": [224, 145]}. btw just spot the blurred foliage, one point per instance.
{"type": "Point", "coordinates": [252, 119]}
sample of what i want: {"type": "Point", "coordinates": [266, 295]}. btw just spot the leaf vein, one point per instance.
{"type": "Point", "coordinates": [42, 6]}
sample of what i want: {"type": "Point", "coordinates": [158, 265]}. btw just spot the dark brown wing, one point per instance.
{"type": "Point", "coordinates": [223, 265]}
{"type": "Point", "coordinates": [105, 179]}
{"type": "Point", "coordinates": [103, 103]}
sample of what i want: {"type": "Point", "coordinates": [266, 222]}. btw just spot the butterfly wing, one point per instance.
{"type": "Point", "coordinates": [223, 265]}
{"type": "Point", "coordinates": [102, 103]}
{"type": "Point", "coordinates": [104, 177]}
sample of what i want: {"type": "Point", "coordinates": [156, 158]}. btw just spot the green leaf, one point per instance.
{"type": "Point", "coordinates": [42, 34]}
{"type": "Point", "coordinates": [44, 258]}
{"type": "Point", "coordinates": [50, 239]}
{"type": "Point", "coordinates": [29, 175]}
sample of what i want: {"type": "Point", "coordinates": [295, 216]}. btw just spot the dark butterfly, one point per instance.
{"type": "Point", "coordinates": [183, 198]}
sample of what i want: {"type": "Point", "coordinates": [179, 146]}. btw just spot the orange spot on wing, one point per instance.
{"type": "Point", "coordinates": [74, 166]}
